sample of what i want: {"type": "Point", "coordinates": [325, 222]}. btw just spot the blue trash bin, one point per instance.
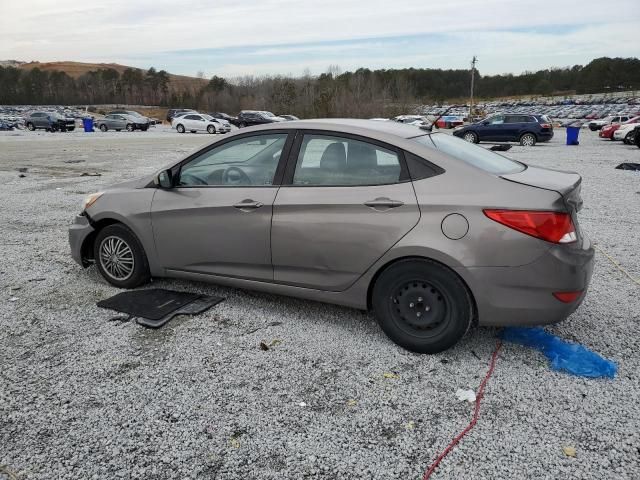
{"type": "Point", "coordinates": [87, 123]}
{"type": "Point", "coordinates": [572, 135]}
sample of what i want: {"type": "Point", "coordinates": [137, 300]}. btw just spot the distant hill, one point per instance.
{"type": "Point", "coordinates": [77, 69]}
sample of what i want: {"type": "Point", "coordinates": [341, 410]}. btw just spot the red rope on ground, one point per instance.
{"type": "Point", "coordinates": [473, 421]}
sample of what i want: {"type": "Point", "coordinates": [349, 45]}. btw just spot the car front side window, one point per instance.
{"type": "Point", "coordinates": [247, 161]}
{"type": "Point", "coordinates": [331, 160]}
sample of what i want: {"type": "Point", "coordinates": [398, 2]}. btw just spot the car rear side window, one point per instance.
{"type": "Point", "coordinates": [331, 160]}
{"type": "Point", "coordinates": [469, 153]}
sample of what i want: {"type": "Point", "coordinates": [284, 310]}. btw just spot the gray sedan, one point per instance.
{"type": "Point", "coordinates": [430, 232]}
{"type": "Point", "coordinates": [114, 122]}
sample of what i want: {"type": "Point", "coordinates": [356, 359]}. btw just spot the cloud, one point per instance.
{"type": "Point", "coordinates": [254, 36]}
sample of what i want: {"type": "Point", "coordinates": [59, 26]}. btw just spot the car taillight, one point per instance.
{"type": "Point", "coordinates": [567, 297]}
{"type": "Point", "coordinates": [545, 125]}
{"type": "Point", "coordinates": [555, 227]}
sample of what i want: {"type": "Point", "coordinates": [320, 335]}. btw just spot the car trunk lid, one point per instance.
{"type": "Point", "coordinates": [567, 184]}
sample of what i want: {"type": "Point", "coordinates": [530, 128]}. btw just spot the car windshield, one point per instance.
{"type": "Point", "coordinates": [267, 114]}
{"type": "Point", "coordinates": [469, 153]}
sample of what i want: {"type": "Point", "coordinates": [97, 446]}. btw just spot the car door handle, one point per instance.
{"type": "Point", "coordinates": [248, 205]}
{"type": "Point", "coordinates": [383, 202]}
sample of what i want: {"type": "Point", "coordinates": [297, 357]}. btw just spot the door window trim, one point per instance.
{"type": "Point", "coordinates": [277, 178]}
{"type": "Point", "coordinates": [292, 161]}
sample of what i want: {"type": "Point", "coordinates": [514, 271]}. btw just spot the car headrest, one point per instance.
{"type": "Point", "coordinates": [334, 157]}
{"type": "Point", "coordinates": [361, 156]}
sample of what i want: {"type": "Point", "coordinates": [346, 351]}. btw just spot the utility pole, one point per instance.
{"type": "Point", "coordinates": [473, 75]}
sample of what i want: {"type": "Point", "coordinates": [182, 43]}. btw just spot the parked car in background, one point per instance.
{"type": "Point", "coordinates": [116, 122]}
{"type": "Point", "coordinates": [417, 120]}
{"type": "Point", "coordinates": [49, 121]}
{"type": "Point", "coordinates": [136, 120]}
{"type": "Point", "coordinates": [595, 125]}
{"type": "Point", "coordinates": [198, 122]}
{"type": "Point", "coordinates": [289, 117]}
{"type": "Point", "coordinates": [506, 248]}
{"type": "Point", "coordinates": [449, 121]}
{"type": "Point", "coordinates": [527, 129]}
{"type": "Point", "coordinates": [247, 118]}
{"type": "Point", "coordinates": [174, 112]}
{"type": "Point", "coordinates": [626, 133]}
{"type": "Point", "coordinates": [608, 130]}
{"type": "Point", "coordinates": [225, 116]}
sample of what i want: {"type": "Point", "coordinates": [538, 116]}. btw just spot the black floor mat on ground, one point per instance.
{"type": "Point", "coordinates": [629, 166]}
{"type": "Point", "coordinates": [155, 307]}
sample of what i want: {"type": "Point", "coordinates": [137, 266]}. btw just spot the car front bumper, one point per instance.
{"type": "Point", "coordinates": [78, 233]}
{"type": "Point", "coordinates": [620, 134]}
{"type": "Point", "coordinates": [524, 295]}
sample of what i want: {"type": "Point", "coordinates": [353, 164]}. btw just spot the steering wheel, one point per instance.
{"type": "Point", "coordinates": [235, 176]}
{"type": "Point", "coordinates": [190, 179]}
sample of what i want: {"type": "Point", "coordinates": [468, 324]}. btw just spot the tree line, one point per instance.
{"type": "Point", "coordinates": [361, 93]}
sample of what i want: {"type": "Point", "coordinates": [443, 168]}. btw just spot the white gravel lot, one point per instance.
{"type": "Point", "coordinates": [85, 397]}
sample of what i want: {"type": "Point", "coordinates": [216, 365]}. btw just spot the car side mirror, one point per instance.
{"type": "Point", "coordinates": [164, 179]}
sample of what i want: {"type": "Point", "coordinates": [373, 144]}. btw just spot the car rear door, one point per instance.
{"type": "Point", "coordinates": [344, 202]}
{"type": "Point", "coordinates": [216, 219]}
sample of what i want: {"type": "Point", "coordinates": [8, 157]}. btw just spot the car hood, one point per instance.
{"type": "Point", "coordinates": [129, 184]}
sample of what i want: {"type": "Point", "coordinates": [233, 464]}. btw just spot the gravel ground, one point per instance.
{"type": "Point", "coordinates": [86, 397]}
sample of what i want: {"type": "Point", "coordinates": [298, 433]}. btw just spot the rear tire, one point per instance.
{"type": "Point", "coordinates": [103, 128]}
{"type": "Point", "coordinates": [180, 128]}
{"type": "Point", "coordinates": [528, 140]}
{"type": "Point", "coordinates": [471, 137]}
{"type": "Point", "coordinates": [242, 125]}
{"type": "Point", "coordinates": [130, 127]}
{"type": "Point", "coordinates": [31, 127]}
{"type": "Point", "coordinates": [211, 129]}
{"type": "Point", "coordinates": [120, 258]}
{"type": "Point", "coordinates": [422, 306]}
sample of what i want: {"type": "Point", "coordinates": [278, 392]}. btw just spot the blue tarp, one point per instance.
{"type": "Point", "coordinates": [565, 356]}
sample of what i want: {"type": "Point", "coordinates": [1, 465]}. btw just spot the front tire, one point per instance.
{"type": "Point", "coordinates": [180, 128]}
{"type": "Point", "coordinates": [120, 258]}
{"type": "Point", "coordinates": [422, 306]}
{"type": "Point", "coordinates": [471, 137]}
{"type": "Point", "coordinates": [628, 138]}
{"type": "Point", "coordinates": [242, 125]}
{"type": "Point", "coordinates": [528, 140]}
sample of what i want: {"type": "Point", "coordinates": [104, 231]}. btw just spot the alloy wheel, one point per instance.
{"type": "Point", "coordinates": [116, 258]}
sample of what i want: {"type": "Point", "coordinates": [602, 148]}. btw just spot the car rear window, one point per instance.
{"type": "Point", "coordinates": [470, 153]}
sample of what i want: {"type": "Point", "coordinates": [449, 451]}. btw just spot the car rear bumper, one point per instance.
{"type": "Point", "coordinates": [524, 295]}
{"type": "Point", "coordinates": [78, 233]}
{"type": "Point", "coordinates": [545, 136]}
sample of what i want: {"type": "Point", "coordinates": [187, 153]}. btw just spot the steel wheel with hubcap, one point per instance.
{"type": "Point", "coordinates": [471, 137]}
{"type": "Point", "coordinates": [119, 257]}
{"type": "Point", "coordinates": [422, 305]}
{"type": "Point", "coordinates": [528, 140]}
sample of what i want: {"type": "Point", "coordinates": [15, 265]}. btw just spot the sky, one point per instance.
{"type": "Point", "coordinates": [291, 37]}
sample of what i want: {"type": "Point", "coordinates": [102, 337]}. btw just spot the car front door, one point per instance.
{"type": "Point", "coordinates": [217, 218]}
{"type": "Point", "coordinates": [492, 129]}
{"type": "Point", "coordinates": [344, 202]}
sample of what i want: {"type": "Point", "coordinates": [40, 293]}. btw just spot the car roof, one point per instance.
{"type": "Point", "coordinates": [347, 125]}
